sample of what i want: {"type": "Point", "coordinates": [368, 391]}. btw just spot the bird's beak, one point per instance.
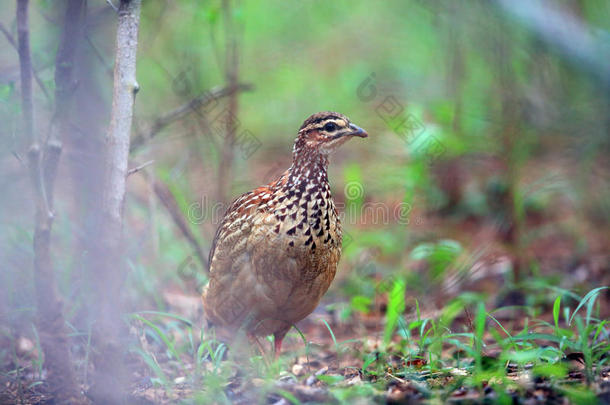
{"type": "Point", "coordinates": [357, 131]}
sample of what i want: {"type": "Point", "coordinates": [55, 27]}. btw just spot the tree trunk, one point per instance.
{"type": "Point", "coordinates": [110, 377]}
{"type": "Point", "coordinates": [43, 161]}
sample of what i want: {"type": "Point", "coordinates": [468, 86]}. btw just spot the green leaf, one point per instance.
{"type": "Point", "coordinates": [368, 360]}
{"type": "Point", "coordinates": [361, 303]}
{"type": "Point", "coordinates": [414, 324]}
{"type": "Point", "coordinates": [500, 325]}
{"type": "Point", "coordinates": [289, 396]}
{"type": "Point", "coordinates": [556, 307]}
{"type": "Point", "coordinates": [166, 314]}
{"type": "Point", "coordinates": [440, 255]}
{"type": "Point", "coordinates": [451, 310]}
{"type": "Point", "coordinates": [170, 345]}
{"type": "Point", "coordinates": [600, 327]}
{"type": "Point", "coordinates": [421, 251]}
{"type": "Point", "coordinates": [331, 379]}
{"type": "Point", "coordinates": [6, 91]}
{"type": "Point", "coordinates": [479, 325]}
{"type": "Point", "coordinates": [480, 320]}
{"type": "Point", "coordinates": [590, 297]}
{"type": "Point", "coordinates": [558, 370]}
{"type": "Point", "coordinates": [332, 334]}
{"type": "Point", "coordinates": [152, 364]}
{"type": "Point", "coordinates": [522, 356]}
{"type": "Point", "coordinates": [396, 306]}
{"type": "Point", "coordinates": [581, 395]}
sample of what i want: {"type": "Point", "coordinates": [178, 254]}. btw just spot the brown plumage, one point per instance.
{"type": "Point", "coordinates": [277, 249]}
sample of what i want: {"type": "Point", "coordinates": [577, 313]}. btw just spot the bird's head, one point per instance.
{"type": "Point", "coordinates": [325, 131]}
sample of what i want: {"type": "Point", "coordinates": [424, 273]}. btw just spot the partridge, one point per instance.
{"type": "Point", "coordinates": [276, 250]}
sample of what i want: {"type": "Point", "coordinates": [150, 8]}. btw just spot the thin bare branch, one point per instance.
{"type": "Point", "coordinates": [139, 167]}
{"type": "Point", "coordinates": [197, 103]}
{"type": "Point", "coordinates": [225, 169]}
{"type": "Point", "coordinates": [112, 5]}
{"type": "Point", "coordinates": [166, 197]}
{"type": "Point", "coordinates": [169, 202]}
{"type": "Point", "coordinates": [99, 56]}
{"type": "Point", "coordinates": [18, 157]}
{"type": "Point", "coordinates": [11, 40]}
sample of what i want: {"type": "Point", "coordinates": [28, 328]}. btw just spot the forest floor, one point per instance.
{"type": "Point", "coordinates": [462, 353]}
{"type": "Point", "coordinates": [465, 337]}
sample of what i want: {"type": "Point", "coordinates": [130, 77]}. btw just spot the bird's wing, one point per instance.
{"type": "Point", "coordinates": [235, 287]}
{"type": "Point", "coordinates": [243, 212]}
{"type": "Point", "coordinates": [229, 215]}
{"type": "Point", "coordinates": [246, 214]}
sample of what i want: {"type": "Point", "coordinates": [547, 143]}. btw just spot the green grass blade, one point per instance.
{"type": "Point", "coordinates": [556, 308]}
{"type": "Point", "coordinates": [591, 296]}
{"type": "Point", "coordinates": [396, 307]}
{"type": "Point", "coordinates": [161, 334]}
{"type": "Point", "coordinates": [165, 314]}
{"type": "Point", "coordinates": [332, 334]}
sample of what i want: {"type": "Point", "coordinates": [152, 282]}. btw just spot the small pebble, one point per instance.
{"type": "Point", "coordinates": [298, 370]}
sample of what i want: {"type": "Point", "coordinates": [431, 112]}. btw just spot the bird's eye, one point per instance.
{"type": "Point", "coordinates": [330, 127]}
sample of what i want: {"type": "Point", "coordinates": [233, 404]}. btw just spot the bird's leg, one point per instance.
{"type": "Point", "coordinates": [278, 337]}
{"type": "Point", "coordinates": [277, 346]}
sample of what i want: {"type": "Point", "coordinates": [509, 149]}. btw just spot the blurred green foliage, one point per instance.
{"type": "Point", "coordinates": [519, 166]}
{"type": "Point", "coordinates": [522, 129]}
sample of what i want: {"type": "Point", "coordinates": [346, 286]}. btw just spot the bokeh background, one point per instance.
{"type": "Point", "coordinates": [486, 170]}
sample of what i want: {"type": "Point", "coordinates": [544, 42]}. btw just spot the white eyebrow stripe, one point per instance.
{"type": "Point", "coordinates": [339, 122]}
